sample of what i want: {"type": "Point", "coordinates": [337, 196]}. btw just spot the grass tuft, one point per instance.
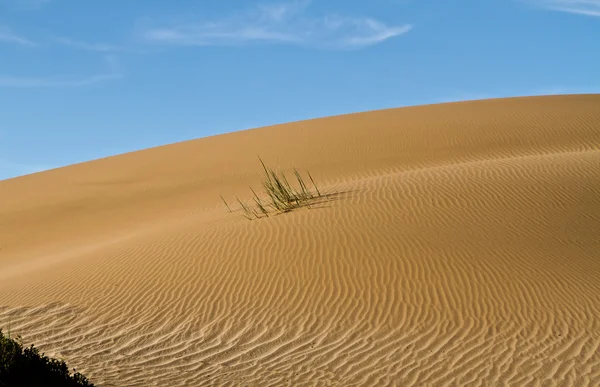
{"type": "Point", "coordinates": [280, 195]}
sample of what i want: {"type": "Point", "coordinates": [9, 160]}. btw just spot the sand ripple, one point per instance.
{"type": "Point", "coordinates": [463, 248]}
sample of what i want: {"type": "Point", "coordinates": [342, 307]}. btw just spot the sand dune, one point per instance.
{"type": "Point", "coordinates": [463, 249]}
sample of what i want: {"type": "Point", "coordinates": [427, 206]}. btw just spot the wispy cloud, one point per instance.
{"type": "Point", "coordinates": [8, 36]}
{"type": "Point", "coordinates": [582, 7]}
{"type": "Point", "coordinates": [285, 23]}
{"type": "Point", "coordinates": [87, 46]}
{"type": "Point", "coordinates": [64, 81]}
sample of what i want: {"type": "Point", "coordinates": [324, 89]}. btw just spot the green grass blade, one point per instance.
{"type": "Point", "coordinates": [227, 205]}
{"type": "Point", "coordinates": [313, 181]}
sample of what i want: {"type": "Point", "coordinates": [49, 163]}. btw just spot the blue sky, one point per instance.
{"type": "Point", "coordinates": [81, 80]}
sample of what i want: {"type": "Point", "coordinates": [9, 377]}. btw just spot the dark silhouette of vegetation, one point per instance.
{"type": "Point", "coordinates": [26, 367]}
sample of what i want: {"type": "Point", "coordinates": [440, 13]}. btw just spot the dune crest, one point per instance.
{"type": "Point", "coordinates": [463, 248]}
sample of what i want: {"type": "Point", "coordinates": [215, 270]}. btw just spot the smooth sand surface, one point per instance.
{"type": "Point", "coordinates": [463, 249]}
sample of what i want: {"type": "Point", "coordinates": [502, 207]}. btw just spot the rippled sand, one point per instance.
{"type": "Point", "coordinates": [462, 248]}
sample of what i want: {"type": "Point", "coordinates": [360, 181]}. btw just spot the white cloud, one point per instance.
{"type": "Point", "coordinates": [285, 23]}
{"type": "Point", "coordinates": [8, 36]}
{"type": "Point", "coordinates": [582, 7]}
{"type": "Point", "coordinates": [64, 81]}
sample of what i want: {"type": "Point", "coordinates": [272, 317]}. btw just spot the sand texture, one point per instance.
{"type": "Point", "coordinates": [462, 248]}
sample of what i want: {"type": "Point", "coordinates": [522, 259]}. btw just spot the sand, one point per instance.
{"type": "Point", "coordinates": [462, 248]}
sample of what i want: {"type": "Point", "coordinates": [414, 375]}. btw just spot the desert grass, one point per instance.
{"type": "Point", "coordinates": [279, 195]}
{"type": "Point", "coordinates": [227, 205]}
{"type": "Point", "coordinates": [248, 212]}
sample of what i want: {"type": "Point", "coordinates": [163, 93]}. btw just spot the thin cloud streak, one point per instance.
{"type": "Point", "coordinates": [113, 73]}
{"type": "Point", "coordinates": [581, 7]}
{"type": "Point", "coordinates": [7, 36]}
{"type": "Point", "coordinates": [287, 23]}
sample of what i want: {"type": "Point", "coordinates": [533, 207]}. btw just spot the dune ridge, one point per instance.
{"type": "Point", "coordinates": [463, 248]}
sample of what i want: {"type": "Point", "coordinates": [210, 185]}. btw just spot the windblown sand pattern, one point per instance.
{"type": "Point", "coordinates": [462, 248]}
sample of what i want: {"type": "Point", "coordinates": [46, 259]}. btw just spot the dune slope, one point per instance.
{"type": "Point", "coordinates": [463, 248]}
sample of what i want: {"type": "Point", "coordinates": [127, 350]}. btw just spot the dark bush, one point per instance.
{"type": "Point", "coordinates": [26, 367]}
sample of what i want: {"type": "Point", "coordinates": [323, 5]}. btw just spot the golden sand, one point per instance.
{"type": "Point", "coordinates": [463, 249]}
